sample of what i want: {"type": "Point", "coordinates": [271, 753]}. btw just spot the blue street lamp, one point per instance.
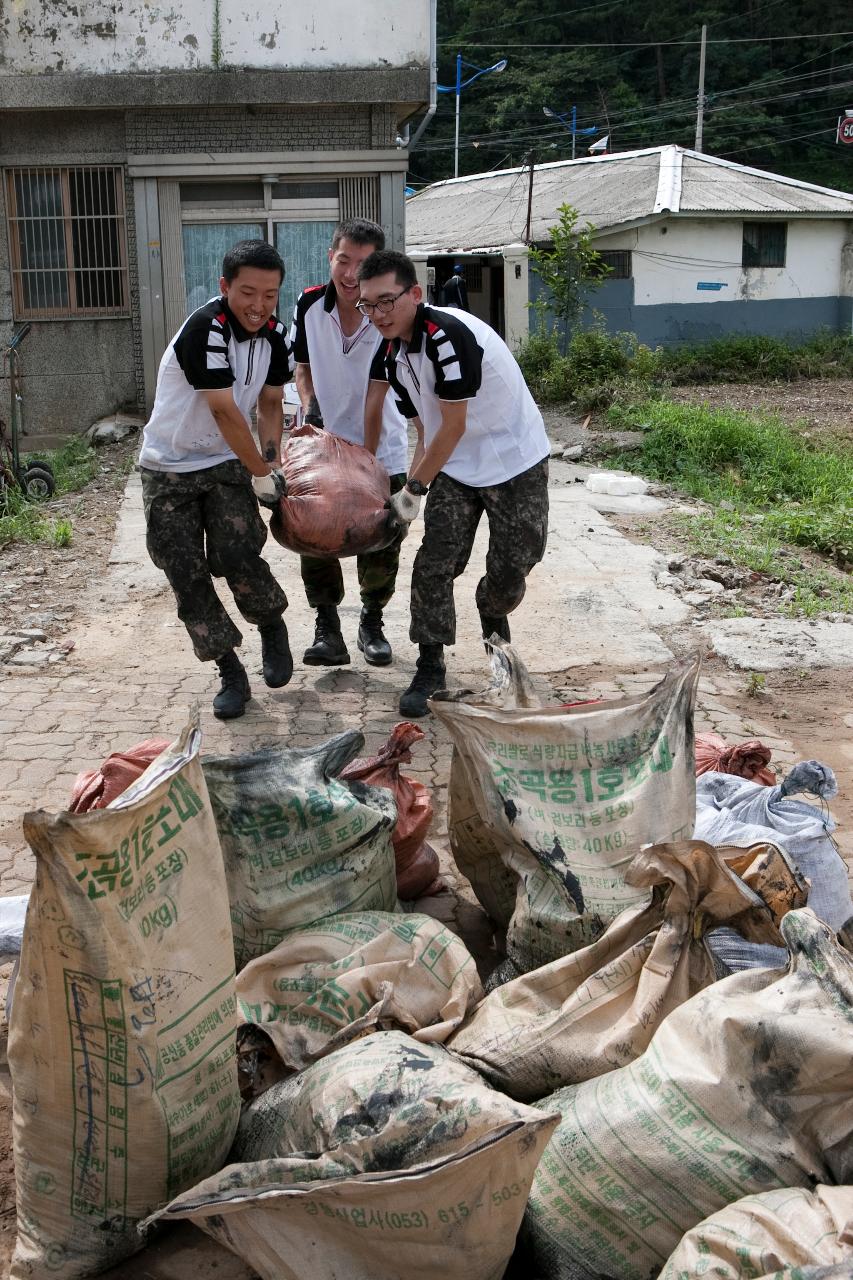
{"type": "Point", "coordinates": [573, 127]}
{"type": "Point", "coordinates": [457, 89]}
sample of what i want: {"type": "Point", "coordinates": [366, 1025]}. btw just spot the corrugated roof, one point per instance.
{"type": "Point", "coordinates": [488, 210]}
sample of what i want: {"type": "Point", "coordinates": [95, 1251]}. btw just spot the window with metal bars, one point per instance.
{"type": "Point", "coordinates": [67, 237]}
{"type": "Point", "coordinates": [764, 244]}
{"type": "Point", "coordinates": [619, 262]}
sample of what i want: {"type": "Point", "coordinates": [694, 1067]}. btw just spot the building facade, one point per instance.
{"type": "Point", "coordinates": [137, 142]}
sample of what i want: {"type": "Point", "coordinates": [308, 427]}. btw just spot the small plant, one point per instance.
{"type": "Point", "coordinates": [569, 268]}
{"type": "Point", "coordinates": [756, 684]}
{"type": "Point", "coordinates": [60, 533]}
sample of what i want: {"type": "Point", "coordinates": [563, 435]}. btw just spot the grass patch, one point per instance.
{"type": "Point", "coordinates": [74, 465]}
{"type": "Point", "coordinates": [753, 465]}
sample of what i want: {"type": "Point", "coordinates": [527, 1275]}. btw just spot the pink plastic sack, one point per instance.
{"type": "Point", "coordinates": [335, 501]}
{"type": "Point", "coordinates": [746, 760]}
{"type": "Point", "coordinates": [96, 788]}
{"type": "Point", "coordinates": [417, 862]}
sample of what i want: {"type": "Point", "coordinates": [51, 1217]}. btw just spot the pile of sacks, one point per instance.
{"type": "Point", "coordinates": [624, 1100]}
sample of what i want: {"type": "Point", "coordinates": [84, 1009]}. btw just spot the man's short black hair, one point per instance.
{"type": "Point", "coordinates": [386, 260]}
{"type": "Point", "coordinates": [359, 231]}
{"type": "Point", "coordinates": [251, 253]}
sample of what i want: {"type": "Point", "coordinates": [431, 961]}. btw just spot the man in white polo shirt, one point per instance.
{"type": "Point", "coordinates": [481, 447]}
{"type": "Point", "coordinates": [334, 346]}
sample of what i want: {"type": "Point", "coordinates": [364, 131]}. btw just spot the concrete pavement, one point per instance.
{"type": "Point", "coordinates": [592, 607]}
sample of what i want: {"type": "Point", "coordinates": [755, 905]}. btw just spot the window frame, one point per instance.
{"type": "Point", "coordinates": [16, 223]}
{"type": "Point", "coordinates": [605, 255]}
{"type": "Point", "coordinates": [764, 248]}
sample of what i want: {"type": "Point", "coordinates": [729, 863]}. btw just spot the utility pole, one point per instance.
{"type": "Point", "coordinates": [700, 101]}
{"type": "Point", "coordinates": [531, 159]}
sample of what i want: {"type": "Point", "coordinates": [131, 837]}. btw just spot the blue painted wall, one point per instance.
{"type": "Point", "coordinates": [666, 325]}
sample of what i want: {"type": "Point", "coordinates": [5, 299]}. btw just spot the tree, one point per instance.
{"type": "Point", "coordinates": [569, 268]}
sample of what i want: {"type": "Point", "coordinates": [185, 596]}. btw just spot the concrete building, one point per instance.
{"type": "Point", "coordinates": [138, 141]}
{"type": "Point", "coordinates": [699, 247]}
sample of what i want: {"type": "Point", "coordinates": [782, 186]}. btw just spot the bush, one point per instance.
{"type": "Point", "coordinates": [752, 358]}
{"type": "Point", "coordinates": [536, 356]}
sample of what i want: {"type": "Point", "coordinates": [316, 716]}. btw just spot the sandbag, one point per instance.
{"type": "Point", "coordinates": [597, 1009]}
{"type": "Point", "coordinates": [746, 1087]}
{"type": "Point", "coordinates": [734, 811]}
{"type": "Point", "coordinates": [547, 804]}
{"type": "Point", "coordinates": [121, 1042]}
{"type": "Point", "coordinates": [765, 1235]}
{"type": "Point", "coordinates": [298, 844]}
{"type": "Point", "coordinates": [417, 862]}
{"type": "Point", "coordinates": [744, 759]}
{"type": "Point", "coordinates": [335, 500]}
{"type": "Point", "coordinates": [342, 977]}
{"type": "Point", "coordinates": [96, 788]}
{"type": "Point", "coordinates": [389, 1158]}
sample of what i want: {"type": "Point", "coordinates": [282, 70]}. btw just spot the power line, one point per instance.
{"type": "Point", "coordinates": [542, 17]}
{"type": "Point", "coordinates": [648, 44]}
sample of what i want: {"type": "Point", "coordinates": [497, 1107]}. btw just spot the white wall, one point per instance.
{"type": "Point", "coordinates": [164, 35]}
{"type": "Point", "coordinates": [670, 258]}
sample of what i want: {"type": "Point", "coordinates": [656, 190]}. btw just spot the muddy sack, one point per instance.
{"type": "Point", "coordinates": [597, 1009]}
{"type": "Point", "coordinates": [121, 1043]}
{"type": "Point", "coordinates": [769, 1235]}
{"type": "Point", "coordinates": [335, 500]}
{"type": "Point", "coordinates": [417, 862]}
{"type": "Point", "coordinates": [547, 805]}
{"type": "Point", "coordinates": [389, 1158]}
{"type": "Point", "coordinates": [351, 974]}
{"type": "Point", "coordinates": [298, 844]}
{"type": "Point", "coordinates": [747, 1087]}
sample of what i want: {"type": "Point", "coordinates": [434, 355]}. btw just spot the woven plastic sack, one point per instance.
{"type": "Point", "coordinates": [388, 1159]}
{"type": "Point", "coordinates": [770, 1235]}
{"type": "Point", "coordinates": [745, 759]}
{"type": "Point", "coordinates": [335, 500]}
{"type": "Point", "coordinates": [597, 1009]}
{"type": "Point", "coordinates": [122, 1035]}
{"type": "Point", "coordinates": [745, 1088]}
{"type": "Point", "coordinates": [547, 805]}
{"type": "Point", "coordinates": [417, 862]}
{"type": "Point", "coordinates": [96, 788]}
{"type": "Point", "coordinates": [343, 977]}
{"type": "Point", "coordinates": [299, 845]}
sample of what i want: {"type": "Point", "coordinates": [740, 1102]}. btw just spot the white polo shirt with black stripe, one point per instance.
{"type": "Point", "coordinates": [454, 356]}
{"type": "Point", "coordinates": [211, 351]}
{"type": "Point", "coordinates": [340, 371]}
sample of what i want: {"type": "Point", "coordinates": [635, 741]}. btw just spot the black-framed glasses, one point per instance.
{"type": "Point", "coordinates": [383, 306]}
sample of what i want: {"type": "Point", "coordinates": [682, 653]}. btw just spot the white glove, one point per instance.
{"type": "Point", "coordinates": [403, 507]}
{"type": "Point", "coordinates": [269, 489]}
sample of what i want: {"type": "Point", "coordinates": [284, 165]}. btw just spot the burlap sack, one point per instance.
{"type": "Point", "coordinates": [770, 1235]}
{"type": "Point", "coordinates": [547, 805]}
{"type": "Point", "coordinates": [298, 844]}
{"type": "Point", "coordinates": [121, 1044]}
{"type": "Point", "coordinates": [342, 977]}
{"type": "Point", "coordinates": [388, 1159]}
{"type": "Point", "coordinates": [745, 1088]}
{"type": "Point", "coordinates": [597, 1009]}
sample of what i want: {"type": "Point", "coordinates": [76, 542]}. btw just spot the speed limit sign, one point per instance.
{"type": "Point", "coordinates": [845, 129]}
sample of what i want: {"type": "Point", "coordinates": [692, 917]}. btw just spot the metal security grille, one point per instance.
{"type": "Point", "coordinates": [68, 242]}
{"type": "Point", "coordinates": [360, 198]}
{"type": "Point", "coordinates": [619, 262]}
{"type": "Point", "coordinates": [764, 244]}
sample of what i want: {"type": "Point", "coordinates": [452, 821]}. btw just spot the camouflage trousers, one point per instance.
{"type": "Point", "coordinates": [377, 572]}
{"type": "Point", "coordinates": [517, 511]}
{"type": "Point", "coordinates": [203, 525]}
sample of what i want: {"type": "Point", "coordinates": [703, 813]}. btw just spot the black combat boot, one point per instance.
{"type": "Point", "coordinates": [231, 700]}
{"type": "Point", "coordinates": [428, 679]}
{"type": "Point", "coordinates": [275, 654]}
{"type": "Point", "coordinates": [494, 626]}
{"type": "Point", "coordinates": [371, 639]}
{"type": "Point", "coordinates": [328, 649]}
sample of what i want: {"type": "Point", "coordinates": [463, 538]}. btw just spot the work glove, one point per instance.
{"type": "Point", "coordinates": [269, 489]}
{"type": "Point", "coordinates": [403, 508]}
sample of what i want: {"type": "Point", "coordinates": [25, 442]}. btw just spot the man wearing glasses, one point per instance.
{"type": "Point", "coordinates": [481, 447]}
{"type": "Point", "coordinates": [334, 346]}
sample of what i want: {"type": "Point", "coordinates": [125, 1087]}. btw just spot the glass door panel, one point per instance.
{"type": "Point", "coordinates": [205, 245]}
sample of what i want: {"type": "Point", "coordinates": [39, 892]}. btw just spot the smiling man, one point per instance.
{"type": "Point", "coordinates": [481, 447]}
{"type": "Point", "coordinates": [200, 464]}
{"type": "Point", "coordinates": [334, 346]}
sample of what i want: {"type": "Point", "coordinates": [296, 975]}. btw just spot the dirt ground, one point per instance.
{"type": "Point", "coordinates": [822, 406]}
